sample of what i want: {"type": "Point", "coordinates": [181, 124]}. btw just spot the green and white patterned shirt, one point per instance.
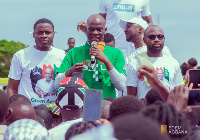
{"type": "Point", "coordinates": [93, 77]}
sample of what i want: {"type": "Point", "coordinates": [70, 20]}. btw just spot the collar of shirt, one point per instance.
{"type": "Point", "coordinates": [50, 82]}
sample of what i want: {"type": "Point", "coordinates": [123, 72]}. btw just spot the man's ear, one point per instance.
{"type": "Point", "coordinates": [33, 34]}
{"type": "Point", "coordinates": [54, 33]}
{"type": "Point", "coordinates": [140, 30]}
{"type": "Point", "coordinates": [57, 103]}
{"type": "Point", "coordinates": [105, 30]}
{"type": "Point", "coordinates": [9, 113]}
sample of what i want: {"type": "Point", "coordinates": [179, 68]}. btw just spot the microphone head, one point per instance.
{"type": "Point", "coordinates": [101, 45]}
{"type": "Point", "coordinates": [94, 43]}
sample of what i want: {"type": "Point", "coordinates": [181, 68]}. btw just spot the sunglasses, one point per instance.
{"type": "Point", "coordinates": [153, 37]}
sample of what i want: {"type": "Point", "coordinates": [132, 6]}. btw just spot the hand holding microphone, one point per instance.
{"type": "Point", "coordinates": [93, 60]}
{"type": "Point", "coordinates": [96, 51]}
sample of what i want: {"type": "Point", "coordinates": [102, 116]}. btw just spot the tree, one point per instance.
{"type": "Point", "coordinates": [7, 50]}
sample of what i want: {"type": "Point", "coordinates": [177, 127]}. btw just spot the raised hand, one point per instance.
{"type": "Point", "coordinates": [98, 53]}
{"type": "Point", "coordinates": [179, 98]}
{"type": "Point", "coordinates": [153, 80]}
{"type": "Point", "coordinates": [82, 26]}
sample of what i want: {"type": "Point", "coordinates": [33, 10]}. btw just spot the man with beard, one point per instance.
{"type": "Point", "coordinates": [154, 39]}
{"type": "Point", "coordinates": [29, 65]}
{"type": "Point", "coordinates": [134, 31]}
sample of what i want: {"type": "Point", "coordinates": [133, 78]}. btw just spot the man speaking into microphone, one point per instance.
{"type": "Point", "coordinates": [108, 72]}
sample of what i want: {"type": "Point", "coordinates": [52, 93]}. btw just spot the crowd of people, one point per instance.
{"type": "Point", "coordinates": [145, 90]}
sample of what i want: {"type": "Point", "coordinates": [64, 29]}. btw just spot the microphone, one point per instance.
{"type": "Point", "coordinates": [93, 60]}
{"type": "Point", "coordinates": [100, 45]}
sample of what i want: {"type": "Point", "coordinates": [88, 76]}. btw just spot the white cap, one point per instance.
{"type": "Point", "coordinates": [135, 20]}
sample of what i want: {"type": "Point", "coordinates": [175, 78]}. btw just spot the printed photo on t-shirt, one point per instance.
{"type": "Point", "coordinates": [42, 80]}
{"type": "Point", "coordinates": [163, 76]}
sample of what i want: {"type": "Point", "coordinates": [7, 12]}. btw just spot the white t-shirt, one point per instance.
{"type": "Point", "coordinates": [58, 132]}
{"type": "Point", "coordinates": [168, 71]}
{"type": "Point", "coordinates": [130, 55]}
{"type": "Point", "coordinates": [116, 10]}
{"type": "Point", "coordinates": [28, 66]}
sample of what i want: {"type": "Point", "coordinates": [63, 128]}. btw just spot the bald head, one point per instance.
{"type": "Point", "coordinates": [19, 110]}
{"type": "Point", "coordinates": [154, 39]}
{"type": "Point", "coordinates": [96, 18]}
{"type": "Point", "coordinates": [95, 28]}
{"type": "Point", "coordinates": [153, 28]}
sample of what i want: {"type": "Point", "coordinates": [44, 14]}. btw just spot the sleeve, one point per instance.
{"type": "Point", "coordinates": [145, 10]}
{"type": "Point", "coordinates": [117, 79]}
{"type": "Point", "coordinates": [67, 62]}
{"type": "Point", "coordinates": [120, 63]}
{"type": "Point", "coordinates": [132, 74]}
{"type": "Point", "coordinates": [59, 78]}
{"type": "Point", "coordinates": [102, 7]}
{"type": "Point", "coordinates": [178, 79]}
{"type": "Point", "coordinates": [16, 67]}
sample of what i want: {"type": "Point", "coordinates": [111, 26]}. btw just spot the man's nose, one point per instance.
{"type": "Point", "coordinates": [125, 30]}
{"type": "Point", "coordinates": [44, 35]}
{"type": "Point", "coordinates": [95, 32]}
{"type": "Point", "coordinates": [156, 39]}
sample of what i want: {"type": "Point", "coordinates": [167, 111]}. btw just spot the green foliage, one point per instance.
{"type": "Point", "coordinates": [7, 50]}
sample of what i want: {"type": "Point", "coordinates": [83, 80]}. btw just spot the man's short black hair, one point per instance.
{"type": "Point", "coordinates": [166, 114]}
{"type": "Point", "coordinates": [43, 20]}
{"type": "Point", "coordinates": [152, 96]}
{"type": "Point", "coordinates": [194, 116]}
{"type": "Point", "coordinates": [136, 127]}
{"type": "Point", "coordinates": [124, 105]}
{"type": "Point", "coordinates": [45, 114]}
{"type": "Point", "coordinates": [184, 68]}
{"type": "Point", "coordinates": [71, 38]}
{"type": "Point", "coordinates": [192, 62]}
{"type": "Point", "coordinates": [4, 103]}
{"type": "Point", "coordinates": [79, 128]}
{"type": "Point", "coordinates": [19, 98]}
{"type": "Point", "coordinates": [109, 38]}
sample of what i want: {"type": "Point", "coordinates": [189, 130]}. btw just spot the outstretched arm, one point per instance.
{"type": "Point", "coordinates": [153, 80]}
{"type": "Point", "coordinates": [148, 19]}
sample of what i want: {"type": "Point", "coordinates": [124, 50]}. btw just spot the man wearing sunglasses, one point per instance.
{"type": "Point", "coordinates": [154, 57]}
{"type": "Point", "coordinates": [134, 32]}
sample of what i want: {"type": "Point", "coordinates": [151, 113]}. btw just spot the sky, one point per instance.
{"type": "Point", "coordinates": [178, 18]}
